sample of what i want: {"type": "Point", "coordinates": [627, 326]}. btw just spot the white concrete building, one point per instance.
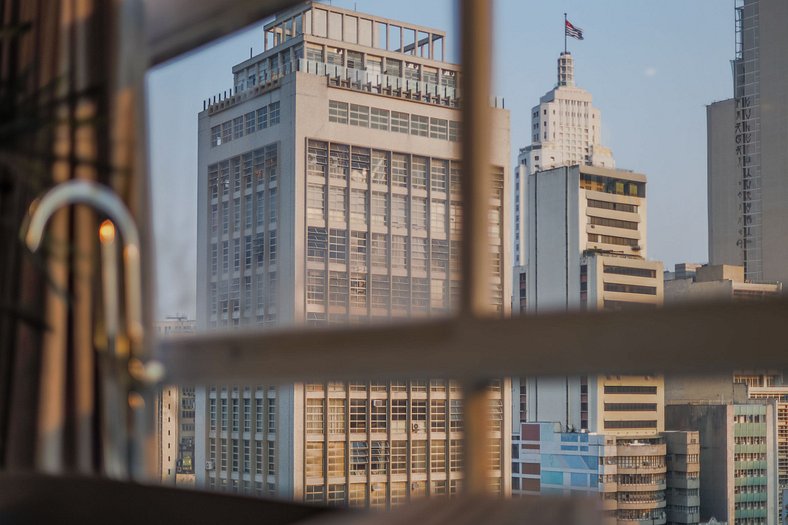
{"type": "Point", "coordinates": [581, 244]}
{"type": "Point", "coordinates": [747, 153]}
{"type": "Point", "coordinates": [329, 192]}
{"type": "Point", "coordinates": [566, 130]}
{"type": "Point", "coordinates": [584, 225]}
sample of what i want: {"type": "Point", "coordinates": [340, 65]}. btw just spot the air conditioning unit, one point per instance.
{"type": "Point", "coordinates": [210, 465]}
{"type": "Point", "coordinates": [378, 402]}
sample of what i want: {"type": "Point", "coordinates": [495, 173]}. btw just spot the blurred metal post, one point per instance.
{"type": "Point", "coordinates": [476, 35]}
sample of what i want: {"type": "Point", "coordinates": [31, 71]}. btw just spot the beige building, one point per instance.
{"type": "Point", "coordinates": [719, 283]}
{"type": "Point", "coordinates": [175, 416]}
{"type": "Point", "coordinates": [329, 193]}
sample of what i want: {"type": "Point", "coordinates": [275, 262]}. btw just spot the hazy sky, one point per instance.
{"type": "Point", "coordinates": [651, 65]}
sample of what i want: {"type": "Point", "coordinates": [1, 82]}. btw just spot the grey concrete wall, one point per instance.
{"type": "Point", "coordinates": [714, 423]}
{"type": "Point", "coordinates": [722, 185]}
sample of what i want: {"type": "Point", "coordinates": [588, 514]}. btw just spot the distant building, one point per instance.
{"type": "Point", "coordinates": [716, 283]}
{"type": "Point", "coordinates": [566, 129]}
{"type": "Point", "coordinates": [769, 386]}
{"type": "Point", "coordinates": [683, 476]}
{"type": "Point", "coordinates": [638, 479]}
{"type": "Point", "coordinates": [175, 410]}
{"type": "Point", "coordinates": [738, 463]}
{"type": "Point", "coordinates": [747, 154]}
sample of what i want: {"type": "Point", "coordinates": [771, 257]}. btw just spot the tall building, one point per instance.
{"type": "Point", "coordinates": [770, 386]}
{"type": "Point", "coordinates": [747, 154]}
{"type": "Point", "coordinates": [586, 250]}
{"type": "Point", "coordinates": [738, 474]}
{"type": "Point", "coordinates": [566, 130]}
{"type": "Point", "coordinates": [175, 416]}
{"type": "Point", "coordinates": [329, 192]}
{"type": "Point", "coordinates": [580, 243]}
{"type": "Point", "coordinates": [638, 479]}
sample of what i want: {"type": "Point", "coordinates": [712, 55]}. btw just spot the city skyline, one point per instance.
{"type": "Point", "coordinates": [639, 133]}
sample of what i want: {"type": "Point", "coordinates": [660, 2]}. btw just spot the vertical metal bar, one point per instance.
{"type": "Point", "coordinates": [476, 29]}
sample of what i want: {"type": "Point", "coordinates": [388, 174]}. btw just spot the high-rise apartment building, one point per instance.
{"type": "Point", "coordinates": [747, 154]}
{"type": "Point", "coordinates": [566, 130]}
{"type": "Point", "coordinates": [329, 193]}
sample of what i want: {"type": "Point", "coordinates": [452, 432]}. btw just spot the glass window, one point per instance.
{"type": "Point", "coordinates": [337, 112]}
{"type": "Point", "coordinates": [359, 115]}
{"type": "Point", "coordinates": [439, 128]}
{"type": "Point", "coordinates": [419, 125]}
{"type": "Point", "coordinates": [379, 119]}
{"type": "Point", "coordinates": [400, 122]}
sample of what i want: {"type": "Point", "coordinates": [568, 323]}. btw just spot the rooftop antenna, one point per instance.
{"type": "Point", "coordinates": [250, 52]}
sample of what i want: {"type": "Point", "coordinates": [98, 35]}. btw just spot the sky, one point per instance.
{"type": "Point", "coordinates": [651, 66]}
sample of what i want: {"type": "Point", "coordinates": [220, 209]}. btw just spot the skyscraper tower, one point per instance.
{"type": "Point", "coordinates": [566, 129]}
{"type": "Point", "coordinates": [583, 226]}
{"type": "Point", "coordinates": [747, 153]}
{"type": "Point", "coordinates": [329, 193]}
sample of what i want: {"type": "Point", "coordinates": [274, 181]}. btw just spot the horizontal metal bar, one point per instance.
{"type": "Point", "coordinates": [689, 339]}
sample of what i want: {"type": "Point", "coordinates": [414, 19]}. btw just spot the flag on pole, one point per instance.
{"type": "Point", "coordinates": [574, 32]}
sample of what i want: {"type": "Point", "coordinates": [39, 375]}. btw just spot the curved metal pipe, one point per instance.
{"type": "Point", "coordinates": [103, 199]}
{"type": "Point", "coordinates": [135, 368]}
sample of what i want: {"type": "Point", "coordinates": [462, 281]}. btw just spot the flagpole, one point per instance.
{"type": "Point", "coordinates": [565, 20]}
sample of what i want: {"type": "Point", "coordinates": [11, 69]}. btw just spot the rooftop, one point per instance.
{"type": "Point", "coordinates": [334, 23]}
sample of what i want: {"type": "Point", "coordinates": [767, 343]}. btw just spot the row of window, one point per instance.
{"type": "Point", "coordinates": [414, 386]}
{"type": "Point", "coordinates": [379, 494]}
{"type": "Point", "coordinates": [613, 223]}
{"type": "Point", "coordinates": [415, 253]}
{"type": "Point", "coordinates": [634, 423]}
{"type": "Point", "coordinates": [254, 418]}
{"type": "Point", "coordinates": [616, 206]}
{"type": "Point", "coordinates": [250, 249]}
{"type": "Point", "coordinates": [362, 458]}
{"type": "Point", "coordinates": [246, 124]}
{"type": "Point", "coordinates": [251, 169]}
{"type": "Point", "coordinates": [241, 487]}
{"type": "Point", "coordinates": [630, 288]}
{"type": "Point", "coordinates": [378, 415]}
{"type": "Point", "coordinates": [612, 239]}
{"type": "Point", "coordinates": [340, 163]}
{"type": "Point", "coordinates": [264, 460]}
{"type": "Point", "coordinates": [394, 121]}
{"type": "Point", "coordinates": [627, 270]}
{"type": "Point", "coordinates": [630, 389]}
{"type": "Point", "coordinates": [629, 407]}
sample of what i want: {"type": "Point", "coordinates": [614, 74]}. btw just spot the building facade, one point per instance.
{"type": "Point", "coordinates": [738, 449]}
{"type": "Point", "coordinates": [329, 193]}
{"type": "Point", "coordinates": [721, 283]}
{"type": "Point", "coordinates": [637, 479]}
{"type": "Point", "coordinates": [176, 417]}
{"type": "Point", "coordinates": [747, 156]}
{"type": "Point", "coordinates": [566, 130]}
